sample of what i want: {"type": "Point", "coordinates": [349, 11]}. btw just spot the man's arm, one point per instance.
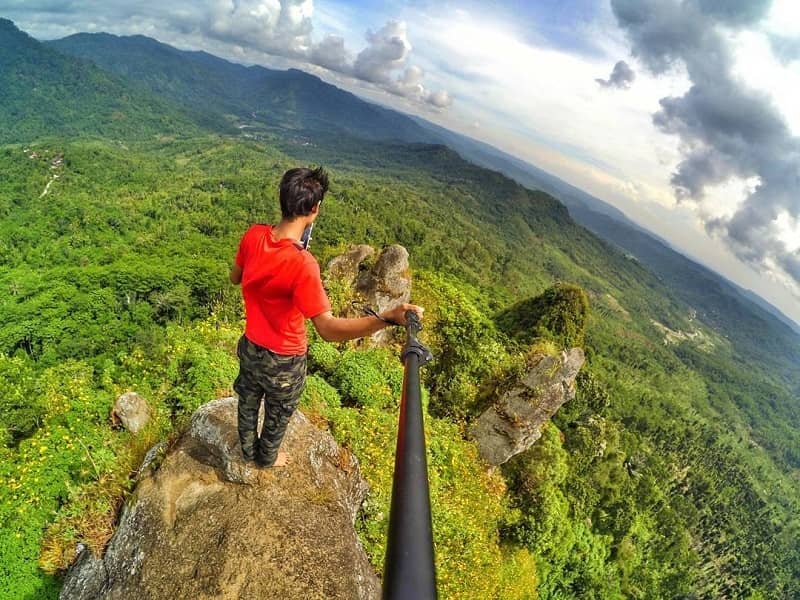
{"type": "Point", "coordinates": [236, 274]}
{"type": "Point", "coordinates": [336, 329]}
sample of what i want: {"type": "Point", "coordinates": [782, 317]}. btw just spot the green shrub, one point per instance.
{"type": "Point", "coordinates": [319, 396]}
{"type": "Point", "coordinates": [466, 351]}
{"type": "Point", "coordinates": [21, 404]}
{"type": "Point", "coordinates": [559, 314]}
{"type": "Point", "coordinates": [322, 356]}
{"type": "Point", "coordinates": [372, 377]}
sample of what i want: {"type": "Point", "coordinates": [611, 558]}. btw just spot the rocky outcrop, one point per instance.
{"type": "Point", "coordinates": [515, 421]}
{"type": "Point", "coordinates": [131, 411]}
{"type": "Point", "coordinates": [346, 267]}
{"type": "Point", "coordinates": [204, 524]}
{"type": "Point", "coordinates": [384, 285]}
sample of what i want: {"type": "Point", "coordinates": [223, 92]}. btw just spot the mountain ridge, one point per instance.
{"type": "Point", "coordinates": [44, 92]}
{"type": "Point", "coordinates": [256, 93]}
{"type": "Point", "coordinates": [584, 207]}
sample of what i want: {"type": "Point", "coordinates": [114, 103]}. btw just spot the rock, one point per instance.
{"type": "Point", "coordinates": [345, 267]}
{"type": "Point", "coordinates": [386, 284]}
{"type": "Point", "coordinates": [132, 411]}
{"type": "Point", "coordinates": [205, 524]}
{"type": "Point", "coordinates": [515, 421]}
{"type": "Point", "coordinates": [86, 578]}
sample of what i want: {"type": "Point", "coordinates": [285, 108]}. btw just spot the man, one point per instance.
{"type": "Point", "coordinates": [282, 287]}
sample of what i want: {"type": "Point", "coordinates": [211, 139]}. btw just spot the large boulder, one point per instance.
{"type": "Point", "coordinates": [347, 266]}
{"type": "Point", "coordinates": [202, 523]}
{"type": "Point", "coordinates": [131, 411]}
{"type": "Point", "coordinates": [514, 422]}
{"type": "Point", "coordinates": [383, 285]}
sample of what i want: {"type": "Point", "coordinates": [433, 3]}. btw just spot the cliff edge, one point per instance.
{"type": "Point", "coordinates": [201, 523]}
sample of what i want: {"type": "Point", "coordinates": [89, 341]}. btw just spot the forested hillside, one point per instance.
{"type": "Point", "coordinates": [674, 473]}
{"type": "Point", "coordinates": [43, 92]}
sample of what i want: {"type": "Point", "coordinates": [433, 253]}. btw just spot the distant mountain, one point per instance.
{"type": "Point", "coordinates": [741, 315]}
{"type": "Point", "coordinates": [287, 100]}
{"type": "Point", "coordinates": [486, 155]}
{"type": "Point", "coordinates": [756, 299]}
{"type": "Point", "coordinates": [45, 93]}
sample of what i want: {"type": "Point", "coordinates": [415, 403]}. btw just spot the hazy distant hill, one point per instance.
{"type": "Point", "coordinates": [488, 156]}
{"type": "Point", "coordinates": [739, 314]}
{"type": "Point", "coordinates": [43, 92]}
{"type": "Point", "coordinates": [290, 99]}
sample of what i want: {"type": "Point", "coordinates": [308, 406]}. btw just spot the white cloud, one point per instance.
{"type": "Point", "coordinates": [272, 26]}
{"type": "Point", "coordinates": [784, 18]}
{"type": "Point", "coordinates": [439, 98]}
{"type": "Point", "coordinates": [332, 54]}
{"type": "Point", "coordinates": [387, 51]}
{"type": "Point", "coordinates": [788, 227]}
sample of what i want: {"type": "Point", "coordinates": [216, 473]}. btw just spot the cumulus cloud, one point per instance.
{"type": "Point", "coordinates": [279, 28]}
{"type": "Point", "coordinates": [439, 98]}
{"type": "Point", "coordinates": [273, 27]}
{"type": "Point", "coordinates": [622, 76]}
{"type": "Point", "coordinates": [331, 54]}
{"type": "Point", "coordinates": [409, 85]}
{"type": "Point", "coordinates": [727, 129]}
{"type": "Point", "coordinates": [387, 52]}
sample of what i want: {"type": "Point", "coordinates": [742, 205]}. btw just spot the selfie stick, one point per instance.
{"type": "Point", "coordinates": [409, 571]}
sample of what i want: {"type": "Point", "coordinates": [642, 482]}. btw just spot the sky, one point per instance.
{"type": "Point", "coordinates": [684, 114]}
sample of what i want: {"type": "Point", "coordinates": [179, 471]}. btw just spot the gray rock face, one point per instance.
{"type": "Point", "coordinates": [132, 411]}
{"type": "Point", "coordinates": [515, 421]}
{"type": "Point", "coordinates": [386, 285]}
{"type": "Point", "coordinates": [203, 524]}
{"type": "Point", "coordinates": [345, 267]}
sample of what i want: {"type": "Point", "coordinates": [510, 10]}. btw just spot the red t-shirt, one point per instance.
{"type": "Point", "coordinates": [282, 287]}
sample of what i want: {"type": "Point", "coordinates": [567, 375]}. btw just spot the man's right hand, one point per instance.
{"type": "Point", "coordinates": [336, 329]}
{"type": "Point", "coordinates": [398, 313]}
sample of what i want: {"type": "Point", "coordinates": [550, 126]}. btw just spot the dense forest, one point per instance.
{"type": "Point", "coordinates": [674, 473]}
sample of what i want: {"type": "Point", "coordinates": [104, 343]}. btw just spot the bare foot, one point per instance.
{"type": "Point", "coordinates": [282, 460]}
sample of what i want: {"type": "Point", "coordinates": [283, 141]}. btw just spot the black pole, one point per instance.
{"type": "Point", "coordinates": [409, 570]}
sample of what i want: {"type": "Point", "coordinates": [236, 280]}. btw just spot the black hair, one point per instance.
{"type": "Point", "coordinates": [301, 190]}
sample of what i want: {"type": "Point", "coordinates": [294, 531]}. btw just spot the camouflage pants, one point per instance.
{"type": "Point", "coordinates": [278, 380]}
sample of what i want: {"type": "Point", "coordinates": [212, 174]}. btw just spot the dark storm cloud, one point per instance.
{"type": "Point", "coordinates": [280, 28]}
{"type": "Point", "coordinates": [726, 128]}
{"type": "Point", "coordinates": [622, 76]}
{"type": "Point", "coordinates": [735, 12]}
